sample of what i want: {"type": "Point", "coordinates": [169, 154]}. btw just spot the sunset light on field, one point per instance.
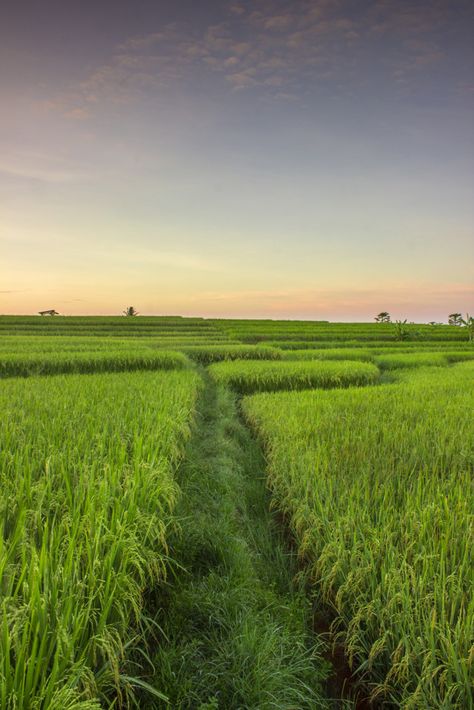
{"type": "Point", "coordinates": [236, 354]}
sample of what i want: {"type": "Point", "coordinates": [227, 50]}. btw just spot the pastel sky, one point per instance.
{"type": "Point", "coordinates": [303, 159]}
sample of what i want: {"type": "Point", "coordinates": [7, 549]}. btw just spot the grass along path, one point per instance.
{"type": "Point", "coordinates": [235, 630]}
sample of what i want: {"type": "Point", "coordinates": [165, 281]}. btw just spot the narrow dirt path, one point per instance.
{"type": "Point", "coordinates": [235, 632]}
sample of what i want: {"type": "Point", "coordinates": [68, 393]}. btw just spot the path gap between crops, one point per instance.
{"type": "Point", "coordinates": [236, 631]}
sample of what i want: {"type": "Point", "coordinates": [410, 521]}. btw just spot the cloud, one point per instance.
{"type": "Point", "coordinates": [280, 22]}
{"type": "Point", "coordinates": [277, 47]}
{"type": "Point", "coordinates": [242, 80]}
{"type": "Point", "coordinates": [78, 114]}
{"type": "Point", "coordinates": [39, 167]}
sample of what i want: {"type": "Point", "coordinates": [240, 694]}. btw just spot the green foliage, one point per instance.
{"type": "Point", "coordinates": [371, 480]}
{"type": "Point", "coordinates": [377, 486]}
{"type": "Point", "coordinates": [402, 332]}
{"type": "Point", "coordinates": [87, 362]}
{"type": "Point", "coordinates": [395, 360]}
{"type": "Point", "coordinates": [386, 357]}
{"type": "Point", "coordinates": [88, 492]}
{"type": "Point", "coordinates": [468, 323]}
{"type": "Point", "coordinates": [206, 354]}
{"type": "Point", "coordinates": [316, 333]}
{"type": "Point", "coordinates": [363, 354]}
{"type": "Point", "coordinates": [246, 377]}
{"type": "Point", "coordinates": [236, 631]}
{"type": "Point", "coordinates": [455, 318]}
{"type": "Point", "coordinates": [99, 326]}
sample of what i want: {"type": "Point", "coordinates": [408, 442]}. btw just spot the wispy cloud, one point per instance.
{"type": "Point", "coordinates": [39, 167]}
{"type": "Point", "coordinates": [284, 49]}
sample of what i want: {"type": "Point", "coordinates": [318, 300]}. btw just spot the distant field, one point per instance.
{"type": "Point", "coordinates": [368, 443]}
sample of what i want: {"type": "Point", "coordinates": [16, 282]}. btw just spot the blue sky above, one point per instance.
{"type": "Point", "coordinates": [293, 159]}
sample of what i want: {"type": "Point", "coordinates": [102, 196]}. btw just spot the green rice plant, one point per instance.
{"type": "Point", "coordinates": [265, 330]}
{"type": "Point", "coordinates": [265, 376]}
{"type": "Point", "coordinates": [253, 331]}
{"type": "Point", "coordinates": [236, 632]}
{"type": "Point", "coordinates": [88, 492]}
{"type": "Point", "coordinates": [385, 358]}
{"type": "Point", "coordinates": [397, 360]}
{"type": "Point", "coordinates": [25, 365]}
{"type": "Point", "coordinates": [25, 344]}
{"type": "Point", "coordinates": [206, 354]}
{"type": "Point", "coordinates": [312, 344]}
{"type": "Point", "coordinates": [459, 355]}
{"type": "Point", "coordinates": [376, 484]}
{"type": "Point", "coordinates": [363, 354]}
{"type": "Point", "coordinates": [429, 375]}
{"type": "Point", "coordinates": [142, 326]}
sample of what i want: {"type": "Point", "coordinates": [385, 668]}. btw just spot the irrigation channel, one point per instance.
{"type": "Point", "coordinates": [235, 627]}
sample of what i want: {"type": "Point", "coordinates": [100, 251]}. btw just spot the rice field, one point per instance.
{"type": "Point", "coordinates": [88, 493]}
{"type": "Point", "coordinates": [207, 354]}
{"type": "Point", "coordinates": [24, 365]}
{"type": "Point", "coordinates": [363, 354]}
{"type": "Point", "coordinates": [260, 376]}
{"type": "Point", "coordinates": [366, 444]}
{"type": "Point", "coordinates": [386, 358]}
{"type": "Point", "coordinates": [377, 485]}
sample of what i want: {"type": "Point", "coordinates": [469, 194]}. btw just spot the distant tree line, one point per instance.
{"type": "Point", "coordinates": [402, 332]}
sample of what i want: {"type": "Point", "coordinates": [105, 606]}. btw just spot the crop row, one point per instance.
{"type": "Point", "coordinates": [206, 354]}
{"type": "Point", "coordinates": [45, 344]}
{"type": "Point", "coordinates": [23, 365]}
{"type": "Point", "coordinates": [88, 491]}
{"type": "Point", "coordinates": [401, 346]}
{"type": "Point", "coordinates": [385, 358]}
{"type": "Point", "coordinates": [242, 331]}
{"type": "Point", "coordinates": [254, 331]}
{"type": "Point", "coordinates": [377, 486]}
{"type": "Point", "coordinates": [266, 376]}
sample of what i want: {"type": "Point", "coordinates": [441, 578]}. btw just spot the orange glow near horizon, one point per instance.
{"type": "Point", "coordinates": [420, 304]}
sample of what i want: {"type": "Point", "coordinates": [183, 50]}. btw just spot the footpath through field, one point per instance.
{"type": "Point", "coordinates": [236, 631]}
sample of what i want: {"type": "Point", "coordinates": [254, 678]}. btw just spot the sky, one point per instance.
{"type": "Point", "coordinates": [308, 159]}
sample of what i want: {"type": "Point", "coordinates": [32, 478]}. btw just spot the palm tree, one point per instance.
{"type": "Point", "coordinates": [454, 319]}
{"type": "Point", "coordinates": [383, 317]}
{"type": "Point", "coordinates": [130, 311]}
{"type": "Point", "coordinates": [468, 322]}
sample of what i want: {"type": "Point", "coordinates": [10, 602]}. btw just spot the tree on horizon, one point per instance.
{"type": "Point", "coordinates": [130, 312]}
